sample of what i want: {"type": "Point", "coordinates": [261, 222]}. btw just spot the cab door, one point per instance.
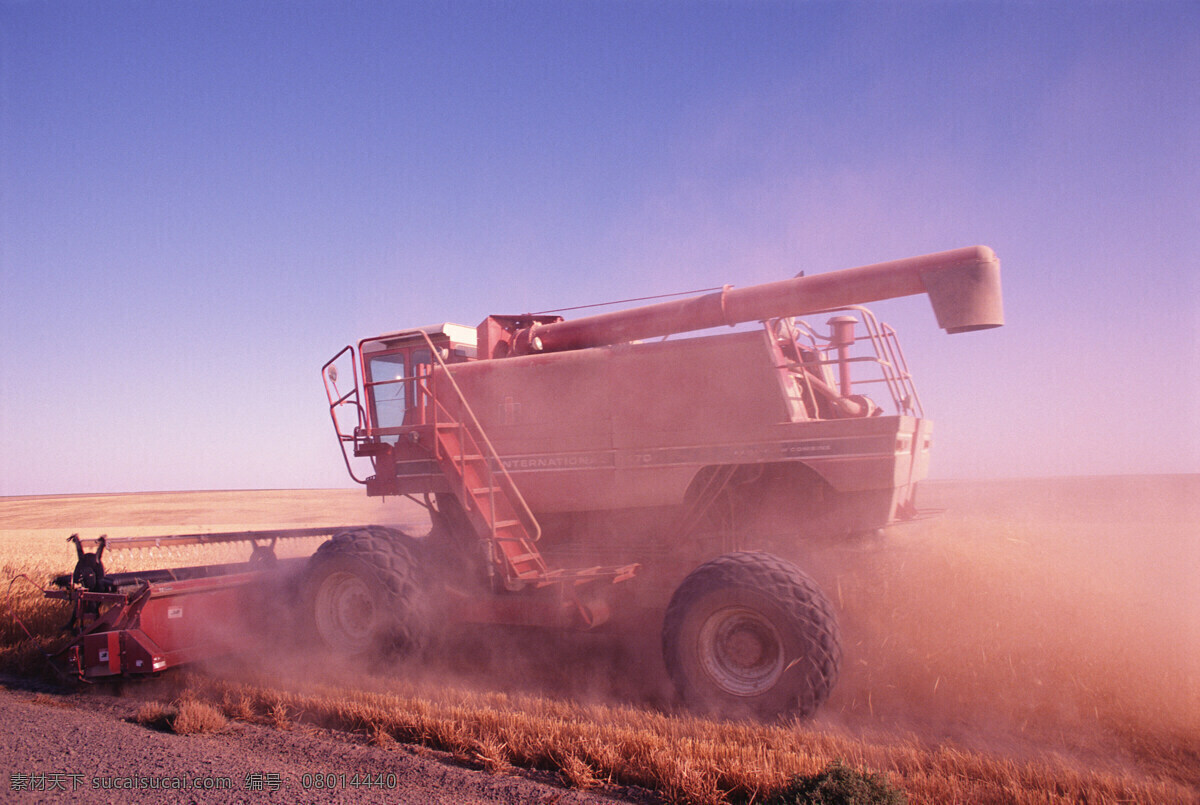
{"type": "Point", "coordinates": [393, 390]}
{"type": "Point", "coordinates": [386, 381]}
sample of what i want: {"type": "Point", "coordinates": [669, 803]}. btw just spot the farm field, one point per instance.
{"type": "Point", "coordinates": [1038, 642]}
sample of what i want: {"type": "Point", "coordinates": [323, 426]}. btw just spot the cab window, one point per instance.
{"type": "Point", "coordinates": [388, 398]}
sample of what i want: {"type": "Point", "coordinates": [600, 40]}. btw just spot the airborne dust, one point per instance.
{"type": "Point", "coordinates": [1033, 618]}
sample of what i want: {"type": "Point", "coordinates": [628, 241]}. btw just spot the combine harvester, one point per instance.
{"type": "Point", "coordinates": [589, 474]}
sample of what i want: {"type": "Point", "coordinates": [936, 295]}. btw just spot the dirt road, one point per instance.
{"type": "Point", "coordinates": [85, 747]}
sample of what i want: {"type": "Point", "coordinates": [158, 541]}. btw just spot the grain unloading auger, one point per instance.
{"type": "Point", "coordinates": [579, 474]}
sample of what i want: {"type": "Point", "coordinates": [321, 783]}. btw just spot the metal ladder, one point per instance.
{"type": "Point", "coordinates": [490, 503]}
{"type": "Point", "coordinates": [493, 503]}
{"type": "Point", "coordinates": [491, 500]}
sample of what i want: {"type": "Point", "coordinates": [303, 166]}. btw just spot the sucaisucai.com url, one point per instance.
{"type": "Point", "coordinates": [163, 783]}
{"type": "Point", "coordinates": [65, 781]}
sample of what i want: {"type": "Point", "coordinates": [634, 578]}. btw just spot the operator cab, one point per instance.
{"type": "Point", "coordinates": [393, 366]}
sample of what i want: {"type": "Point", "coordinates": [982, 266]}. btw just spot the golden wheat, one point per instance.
{"type": "Point", "coordinates": [687, 759]}
{"type": "Point", "coordinates": [965, 636]}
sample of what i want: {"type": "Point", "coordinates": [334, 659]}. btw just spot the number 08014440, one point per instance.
{"type": "Point", "coordinates": [330, 780]}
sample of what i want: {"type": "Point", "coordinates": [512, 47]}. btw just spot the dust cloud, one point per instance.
{"type": "Point", "coordinates": [1034, 617]}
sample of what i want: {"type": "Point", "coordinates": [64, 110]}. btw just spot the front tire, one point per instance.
{"type": "Point", "coordinates": [362, 595]}
{"type": "Point", "coordinates": [750, 635]}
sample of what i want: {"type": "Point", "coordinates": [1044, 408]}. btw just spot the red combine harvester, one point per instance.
{"type": "Point", "coordinates": [592, 474]}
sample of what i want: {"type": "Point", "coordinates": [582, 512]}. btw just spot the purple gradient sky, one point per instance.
{"type": "Point", "coordinates": [201, 202]}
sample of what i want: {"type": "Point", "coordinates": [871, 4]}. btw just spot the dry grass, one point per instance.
{"type": "Point", "coordinates": [576, 772]}
{"type": "Point", "coordinates": [688, 760]}
{"type": "Point", "coordinates": [23, 582]}
{"type": "Point", "coordinates": [30, 625]}
{"type": "Point", "coordinates": [189, 716]}
{"type": "Point", "coordinates": [197, 717]}
{"type": "Point", "coordinates": [156, 715]}
{"type": "Point", "coordinates": [239, 708]}
{"type": "Point", "coordinates": [277, 716]}
{"type": "Point", "coordinates": [384, 740]}
{"type": "Point", "coordinates": [1009, 654]}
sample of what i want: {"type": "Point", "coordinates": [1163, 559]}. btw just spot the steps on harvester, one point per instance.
{"type": "Point", "coordinates": [489, 504]}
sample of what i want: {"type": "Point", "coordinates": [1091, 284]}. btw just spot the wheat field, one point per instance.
{"type": "Point", "coordinates": [1039, 642]}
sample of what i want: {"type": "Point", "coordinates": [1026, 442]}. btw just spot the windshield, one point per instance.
{"type": "Point", "coordinates": [387, 395]}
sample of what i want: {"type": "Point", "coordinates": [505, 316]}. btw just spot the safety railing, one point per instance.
{"type": "Point", "coordinates": [494, 466]}
{"type": "Point", "coordinates": [886, 359]}
{"type": "Point", "coordinates": [337, 400]}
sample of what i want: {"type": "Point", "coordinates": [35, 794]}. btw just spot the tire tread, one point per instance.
{"type": "Point", "coordinates": [798, 598]}
{"type": "Point", "coordinates": [391, 561]}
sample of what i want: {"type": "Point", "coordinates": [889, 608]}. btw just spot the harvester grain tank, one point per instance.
{"type": "Point", "coordinates": [601, 474]}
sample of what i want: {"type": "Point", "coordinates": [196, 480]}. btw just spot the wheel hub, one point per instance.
{"type": "Point", "coordinates": [345, 611]}
{"type": "Point", "coordinates": [741, 651]}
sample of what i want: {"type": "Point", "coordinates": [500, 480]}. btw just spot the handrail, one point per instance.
{"type": "Point", "coordinates": [789, 332]}
{"type": "Point", "coordinates": [893, 366]}
{"type": "Point", "coordinates": [524, 511]}
{"type": "Point", "coordinates": [344, 399]}
{"type": "Point", "coordinates": [888, 356]}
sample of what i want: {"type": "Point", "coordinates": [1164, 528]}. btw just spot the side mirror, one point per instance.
{"type": "Point", "coordinates": [331, 373]}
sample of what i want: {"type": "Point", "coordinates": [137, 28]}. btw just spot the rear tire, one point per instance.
{"type": "Point", "coordinates": [362, 595]}
{"type": "Point", "coordinates": [750, 635]}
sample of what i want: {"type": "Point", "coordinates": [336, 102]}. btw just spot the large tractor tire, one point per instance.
{"type": "Point", "coordinates": [748, 635]}
{"type": "Point", "coordinates": [363, 597]}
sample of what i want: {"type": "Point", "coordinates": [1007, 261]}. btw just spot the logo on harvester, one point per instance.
{"type": "Point", "coordinates": [552, 462]}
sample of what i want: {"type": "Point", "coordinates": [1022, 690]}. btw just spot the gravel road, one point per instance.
{"type": "Point", "coordinates": [84, 747]}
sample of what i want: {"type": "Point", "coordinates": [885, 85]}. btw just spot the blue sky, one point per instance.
{"type": "Point", "coordinates": [201, 202]}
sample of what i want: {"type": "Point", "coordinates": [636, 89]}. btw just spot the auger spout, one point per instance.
{"type": "Point", "coordinates": [963, 286]}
